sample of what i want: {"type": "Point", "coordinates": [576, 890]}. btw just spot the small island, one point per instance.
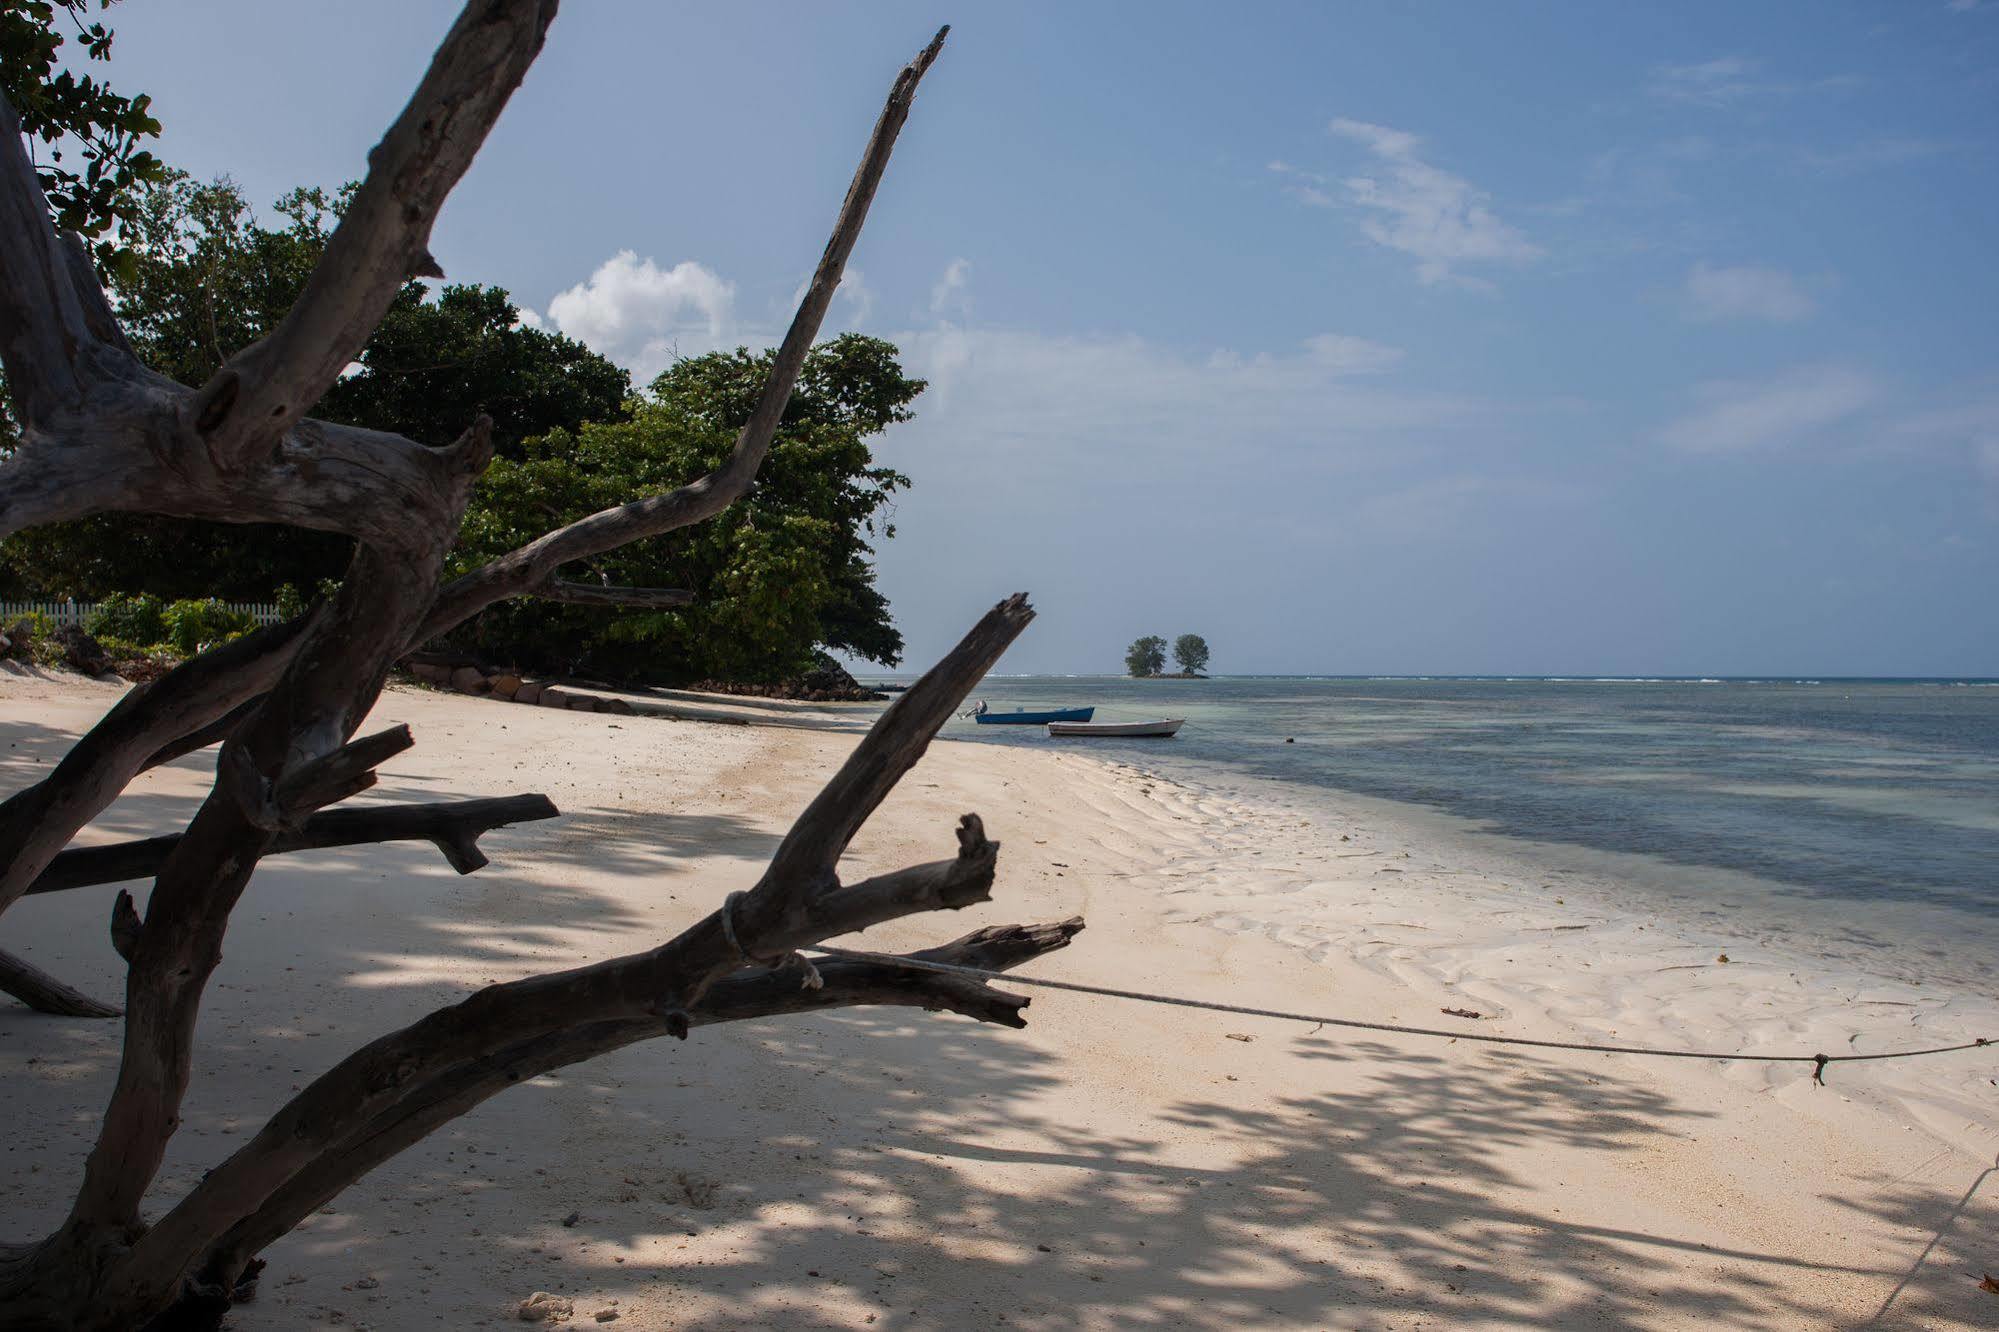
{"type": "Point", "coordinates": [1146, 658]}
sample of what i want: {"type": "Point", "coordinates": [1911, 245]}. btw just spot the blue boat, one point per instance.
{"type": "Point", "coordinates": [1033, 718]}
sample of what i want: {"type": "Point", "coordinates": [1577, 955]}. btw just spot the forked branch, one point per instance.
{"type": "Point", "coordinates": [455, 826]}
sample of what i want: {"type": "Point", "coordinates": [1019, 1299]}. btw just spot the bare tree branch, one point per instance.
{"type": "Point", "coordinates": [745, 996]}
{"type": "Point", "coordinates": [382, 239]}
{"type": "Point", "coordinates": [663, 983]}
{"type": "Point", "coordinates": [533, 565]}
{"type": "Point", "coordinates": [44, 993]}
{"type": "Point", "coordinates": [39, 821]}
{"type": "Point", "coordinates": [455, 826]}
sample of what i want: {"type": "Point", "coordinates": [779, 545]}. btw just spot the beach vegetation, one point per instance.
{"type": "Point", "coordinates": [773, 579]}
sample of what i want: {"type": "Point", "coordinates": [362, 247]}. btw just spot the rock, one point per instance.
{"type": "Point", "coordinates": [617, 706]}
{"type": "Point", "coordinates": [470, 680]}
{"type": "Point", "coordinates": [505, 686]}
{"type": "Point", "coordinates": [606, 1315]}
{"type": "Point", "coordinates": [572, 1218]}
{"type": "Point", "coordinates": [81, 652]}
{"type": "Point", "coordinates": [551, 697]}
{"type": "Point", "coordinates": [431, 672]}
{"type": "Point", "coordinates": [528, 693]}
{"type": "Point", "coordinates": [542, 1307]}
{"type": "Point", "coordinates": [581, 702]}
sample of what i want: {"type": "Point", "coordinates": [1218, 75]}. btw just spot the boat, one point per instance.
{"type": "Point", "coordinates": [1155, 730]}
{"type": "Point", "coordinates": [1033, 718]}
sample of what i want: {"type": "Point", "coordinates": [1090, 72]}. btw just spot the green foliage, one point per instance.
{"type": "Point", "coordinates": [140, 620]}
{"type": "Point", "coordinates": [1147, 656]}
{"type": "Point", "coordinates": [194, 625]}
{"type": "Point", "coordinates": [73, 120]}
{"type": "Point", "coordinates": [777, 575]}
{"type": "Point", "coordinates": [31, 637]}
{"type": "Point", "coordinates": [206, 278]}
{"type": "Point", "coordinates": [1190, 652]}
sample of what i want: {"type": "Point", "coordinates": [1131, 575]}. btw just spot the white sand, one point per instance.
{"type": "Point", "coordinates": [1116, 1165]}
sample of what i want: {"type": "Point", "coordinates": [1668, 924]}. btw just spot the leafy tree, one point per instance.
{"type": "Point", "coordinates": [778, 575]}
{"type": "Point", "coordinates": [1190, 651]}
{"type": "Point", "coordinates": [73, 120]}
{"type": "Point", "coordinates": [205, 279]}
{"type": "Point", "coordinates": [1147, 656]}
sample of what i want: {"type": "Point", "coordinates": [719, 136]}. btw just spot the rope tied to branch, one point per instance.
{"type": "Point", "coordinates": [1817, 1061]}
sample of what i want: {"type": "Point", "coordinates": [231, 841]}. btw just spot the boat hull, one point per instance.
{"type": "Point", "coordinates": [1035, 718]}
{"type": "Point", "coordinates": [1156, 730]}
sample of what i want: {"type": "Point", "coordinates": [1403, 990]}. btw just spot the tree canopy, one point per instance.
{"type": "Point", "coordinates": [784, 572]}
{"type": "Point", "coordinates": [1147, 656]}
{"type": "Point", "coordinates": [1190, 653]}
{"type": "Point", "coordinates": [85, 138]}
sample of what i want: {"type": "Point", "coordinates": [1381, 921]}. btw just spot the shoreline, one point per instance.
{"type": "Point", "coordinates": [1114, 1164]}
{"type": "Point", "coordinates": [1655, 974]}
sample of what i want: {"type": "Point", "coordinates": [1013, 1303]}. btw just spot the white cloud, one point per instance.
{"type": "Point", "coordinates": [1746, 293]}
{"type": "Point", "coordinates": [952, 294]}
{"type": "Point", "coordinates": [644, 316]}
{"type": "Point", "coordinates": [1440, 220]}
{"type": "Point", "coordinates": [1736, 416]}
{"type": "Point", "coordinates": [1713, 83]}
{"type": "Point", "coordinates": [526, 318]}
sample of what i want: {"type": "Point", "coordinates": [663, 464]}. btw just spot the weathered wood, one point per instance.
{"type": "Point", "coordinates": [744, 996]}
{"type": "Point", "coordinates": [663, 983]}
{"type": "Point", "coordinates": [384, 233]}
{"type": "Point", "coordinates": [44, 993]}
{"type": "Point", "coordinates": [149, 725]}
{"type": "Point", "coordinates": [454, 825]}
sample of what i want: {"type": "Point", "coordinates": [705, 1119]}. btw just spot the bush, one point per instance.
{"type": "Point", "coordinates": [193, 625]}
{"type": "Point", "coordinates": [31, 637]}
{"type": "Point", "coordinates": [139, 620]}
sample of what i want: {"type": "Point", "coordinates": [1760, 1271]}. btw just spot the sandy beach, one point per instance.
{"type": "Point", "coordinates": [1116, 1165]}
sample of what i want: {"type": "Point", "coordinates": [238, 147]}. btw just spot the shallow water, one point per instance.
{"type": "Point", "coordinates": [1861, 815]}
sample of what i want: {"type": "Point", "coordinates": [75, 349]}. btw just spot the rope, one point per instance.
{"type": "Point", "coordinates": [1818, 1061]}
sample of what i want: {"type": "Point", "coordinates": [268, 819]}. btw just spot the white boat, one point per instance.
{"type": "Point", "coordinates": [1162, 730]}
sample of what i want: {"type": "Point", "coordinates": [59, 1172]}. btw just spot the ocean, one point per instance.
{"type": "Point", "coordinates": [1858, 819]}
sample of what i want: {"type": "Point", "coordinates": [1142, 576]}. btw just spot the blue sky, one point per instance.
{"type": "Point", "coordinates": [1513, 338]}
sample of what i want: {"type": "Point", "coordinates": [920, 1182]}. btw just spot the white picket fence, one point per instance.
{"type": "Point", "coordinates": [76, 612]}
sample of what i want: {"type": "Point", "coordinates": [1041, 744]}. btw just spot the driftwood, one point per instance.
{"type": "Point", "coordinates": [101, 433]}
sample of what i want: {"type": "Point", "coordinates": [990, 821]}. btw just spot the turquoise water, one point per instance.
{"type": "Point", "coordinates": [1863, 807]}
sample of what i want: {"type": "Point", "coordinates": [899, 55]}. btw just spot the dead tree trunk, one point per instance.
{"type": "Point", "coordinates": [101, 433]}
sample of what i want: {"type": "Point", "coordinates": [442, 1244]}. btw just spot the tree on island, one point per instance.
{"type": "Point", "coordinates": [1146, 657]}
{"type": "Point", "coordinates": [1190, 652]}
{"type": "Point", "coordinates": [101, 432]}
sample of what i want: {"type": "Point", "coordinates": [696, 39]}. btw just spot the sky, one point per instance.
{"type": "Point", "coordinates": [1510, 338]}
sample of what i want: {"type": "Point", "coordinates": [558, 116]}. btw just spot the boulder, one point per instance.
{"type": "Point", "coordinates": [469, 680]}
{"type": "Point", "coordinates": [506, 686]}
{"type": "Point", "coordinates": [614, 705]}
{"type": "Point", "coordinates": [529, 692]}
{"type": "Point", "coordinates": [81, 652]}
{"type": "Point", "coordinates": [551, 697]}
{"type": "Point", "coordinates": [582, 703]}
